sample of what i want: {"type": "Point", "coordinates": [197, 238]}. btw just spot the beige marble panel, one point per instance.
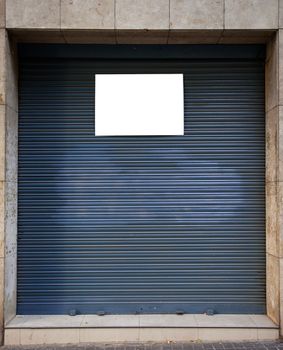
{"type": "Point", "coordinates": [33, 14]}
{"type": "Point", "coordinates": [89, 335]}
{"type": "Point", "coordinates": [196, 14]}
{"type": "Point", "coordinates": [168, 334]}
{"type": "Point", "coordinates": [2, 217]}
{"type": "Point", "coordinates": [262, 321]}
{"type": "Point", "coordinates": [1, 298]}
{"type": "Point", "coordinates": [280, 309]}
{"type": "Point", "coordinates": [11, 144]}
{"type": "Point", "coordinates": [271, 144]}
{"type": "Point", "coordinates": [43, 14]}
{"type": "Point", "coordinates": [2, 61]}
{"type": "Point", "coordinates": [173, 321]}
{"type": "Point", "coordinates": [272, 287]}
{"type": "Point", "coordinates": [10, 288]}
{"type": "Point", "coordinates": [271, 74]}
{"type": "Point", "coordinates": [10, 250]}
{"type": "Point", "coordinates": [109, 321]}
{"type": "Point", "coordinates": [46, 321]}
{"type": "Point", "coordinates": [11, 67]}
{"type": "Point", "coordinates": [251, 14]}
{"type": "Point", "coordinates": [272, 212]}
{"type": "Point", "coordinates": [268, 334]}
{"type": "Point", "coordinates": [2, 143]}
{"type": "Point", "coordinates": [49, 336]}
{"type": "Point", "coordinates": [87, 14]}
{"type": "Point", "coordinates": [2, 14]}
{"type": "Point", "coordinates": [280, 66]}
{"type": "Point", "coordinates": [223, 321]}
{"type": "Point", "coordinates": [280, 146]}
{"type": "Point", "coordinates": [280, 13]}
{"type": "Point", "coordinates": [12, 337]}
{"type": "Point", "coordinates": [142, 14]}
{"type": "Point", "coordinates": [224, 334]}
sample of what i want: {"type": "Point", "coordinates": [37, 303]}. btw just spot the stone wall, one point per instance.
{"type": "Point", "coordinates": [142, 21]}
{"type": "Point", "coordinates": [8, 175]}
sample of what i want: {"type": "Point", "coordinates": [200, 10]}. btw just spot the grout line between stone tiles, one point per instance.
{"type": "Point", "coordinates": [60, 28]}
{"type": "Point", "coordinates": [224, 9]}
{"type": "Point", "coordinates": [20, 336]}
{"type": "Point", "coordinates": [115, 21]}
{"type": "Point", "coordinates": [196, 322]}
{"type": "Point", "coordinates": [278, 13]}
{"type": "Point", "coordinates": [222, 32]}
{"type": "Point", "coordinates": [139, 329]}
{"type": "Point", "coordinates": [60, 6]}
{"type": "Point", "coordinates": [5, 16]}
{"type": "Point", "coordinates": [82, 321]}
{"type": "Point", "coordinates": [198, 329]}
{"type": "Point", "coordinates": [252, 321]}
{"type": "Point", "coordinates": [169, 21]}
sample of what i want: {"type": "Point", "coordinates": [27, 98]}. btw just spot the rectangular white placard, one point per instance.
{"type": "Point", "coordinates": [139, 104]}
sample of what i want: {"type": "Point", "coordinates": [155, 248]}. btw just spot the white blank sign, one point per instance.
{"type": "Point", "coordinates": [139, 104]}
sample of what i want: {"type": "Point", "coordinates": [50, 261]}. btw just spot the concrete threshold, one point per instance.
{"type": "Point", "coordinates": [49, 329]}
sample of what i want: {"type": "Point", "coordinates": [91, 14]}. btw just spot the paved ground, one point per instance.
{"type": "Point", "coordinates": [159, 346]}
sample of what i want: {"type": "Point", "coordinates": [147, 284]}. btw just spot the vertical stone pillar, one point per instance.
{"type": "Point", "coordinates": [2, 175]}
{"type": "Point", "coordinates": [11, 178]}
{"type": "Point", "coordinates": [280, 168]}
{"type": "Point", "coordinates": [272, 180]}
{"type": "Point", "coordinates": [2, 161]}
{"type": "Point", "coordinates": [8, 178]}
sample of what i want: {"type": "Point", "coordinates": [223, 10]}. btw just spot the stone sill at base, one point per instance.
{"type": "Point", "coordinates": [61, 329]}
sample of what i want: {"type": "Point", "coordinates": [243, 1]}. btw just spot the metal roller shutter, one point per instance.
{"type": "Point", "coordinates": [141, 224]}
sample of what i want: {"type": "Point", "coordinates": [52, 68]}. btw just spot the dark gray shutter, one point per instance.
{"type": "Point", "coordinates": [141, 224]}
